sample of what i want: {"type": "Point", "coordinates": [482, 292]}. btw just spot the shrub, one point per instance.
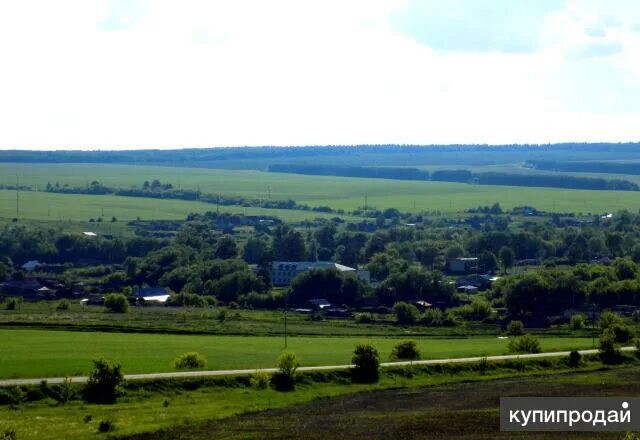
{"type": "Point", "coordinates": [63, 305]}
{"type": "Point", "coordinates": [405, 313]}
{"type": "Point", "coordinates": [102, 386]}
{"type": "Point", "coordinates": [116, 303]}
{"type": "Point", "coordinates": [285, 378]}
{"type": "Point", "coordinates": [609, 354]}
{"type": "Point", "coordinates": [622, 333]}
{"type": "Point", "coordinates": [637, 344]}
{"type": "Point", "coordinates": [478, 310]}
{"type": "Point", "coordinates": [12, 303]}
{"type": "Point", "coordinates": [190, 361]}
{"type": "Point", "coordinates": [366, 362]}
{"type": "Point", "coordinates": [608, 319]}
{"type": "Point", "coordinates": [577, 322]}
{"type": "Point", "coordinates": [432, 318]}
{"type": "Point", "coordinates": [483, 365]}
{"type": "Point", "coordinates": [574, 360]}
{"type": "Point", "coordinates": [63, 393]}
{"type": "Point", "coordinates": [106, 426]}
{"type": "Point", "coordinates": [406, 350]}
{"type": "Point", "coordinates": [222, 316]}
{"type": "Point", "coordinates": [524, 344]}
{"type": "Point", "coordinates": [364, 318]}
{"type": "Point", "coordinates": [187, 300]}
{"type": "Point", "coordinates": [260, 380]}
{"type": "Point", "coordinates": [515, 328]}
{"type": "Point", "coordinates": [8, 434]}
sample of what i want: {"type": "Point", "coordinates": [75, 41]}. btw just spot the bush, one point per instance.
{"type": "Point", "coordinates": [187, 300]}
{"type": "Point", "coordinates": [478, 310]}
{"type": "Point", "coordinates": [637, 344]}
{"type": "Point", "coordinates": [574, 360]}
{"type": "Point", "coordinates": [106, 426]}
{"type": "Point", "coordinates": [116, 303]}
{"type": "Point", "coordinates": [577, 322]}
{"type": "Point", "coordinates": [366, 362]}
{"type": "Point", "coordinates": [285, 378]}
{"type": "Point", "coordinates": [432, 318]}
{"type": "Point", "coordinates": [8, 434]}
{"type": "Point", "coordinates": [260, 380]}
{"type": "Point", "coordinates": [364, 318]}
{"type": "Point", "coordinates": [524, 344]}
{"type": "Point", "coordinates": [483, 365]}
{"type": "Point", "coordinates": [622, 333]}
{"type": "Point", "coordinates": [63, 305]}
{"type": "Point", "coordinates": [406, 350]}
{"type": "Point", "coordinates": [608, 319]}
{"type": "Point", "coordinates": [609, 354]}
{"type": "Point", "coordinates": [405, 313]}
{"type": "Point", "coordinates": [515, 328]}
{"type": "Point", "coordinates": [12, 303]}
{"type": "Point", "coordinates": [102, 386]}
{"type": "Point", "coordinates": [63, 393]}
{"type": "Point", "coordinates": [190, 361]}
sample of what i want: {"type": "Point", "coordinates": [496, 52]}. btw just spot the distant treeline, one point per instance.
{"type": "Point", "coordinates": [397, 173]}
{"type": "Point", "coordinates": [461, 176]}
{"type": "Point", "coordinates": [166, 191]}
{"type": "Point", "coordinates": [352, 155]}
{"type": "Point", "coordinates": [587, 167]}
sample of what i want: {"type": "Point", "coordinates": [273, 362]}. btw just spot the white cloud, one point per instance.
{"type": "Point", "coordinates": [99, 74]}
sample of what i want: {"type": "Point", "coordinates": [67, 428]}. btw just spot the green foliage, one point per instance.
{"type": "Point", "coordinates": [574, 359]}
{"type": "Point", "coordinates": [405, 313]}
{"type": "Point", "coordinates": [623, 333]}
{"type": "Point", "coordinates": [107, 425]}
{"type": "Point", "coordinates": [483, 365]}
{"type": "Point", "coordinates": [525, 344]}
{"type": "Point", "coordinates": [329, 284]}
{"type": "Point", "coordinates": [608, 319]}
{"type": "Point", "coordinates": [8, 434]}
{"type": "Point", "coordinates": [187, 300]}
{"type": "Point", "coordinates": [609, 353]}
{"type": "Point", "coordinates": [366, 360]}
{"type": "Point", "coordinates": [63, 305]}
{"type": "Point", "coordinates": [405, 351]}
{"type": "Point", "coordinates": [577, 322]}
{"type": "Point", "coordinates": [190, 361]}
{"type": "Point", "coordinates": [63, 393]}
{"type": "Point", "coordinates": [478, 310]}
{"type": "Point", "coordinates": [102, 386]}
{"type": "Point", "coordinates": [285, 378]}
{"type": "Point", "coordinates": [260, 380]}
{"type": "Point", "coordinates": [637, 345]}
{"type": "Point", "coordinates": [515, 328]}
{"type": "Point", "coordinates": [12, 303]}
{"type": "Point", "coordinates": [116, 303]}
{"type": "Point", "coordinates": [364, 318]}
{"type": "Point", "coordinates": [507, 257]}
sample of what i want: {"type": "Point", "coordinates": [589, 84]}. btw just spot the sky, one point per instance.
{"type": "Point", "coordinates": [118, 74]}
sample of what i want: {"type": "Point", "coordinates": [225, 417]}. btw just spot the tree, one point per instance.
{"type": "Point", "coordinates": [515, 328]}
{"type": "Point", "coordinates": [288, 244]}
{"type": "Point", "coordinates": [609, 354]}
{"type": "Point", "coordinates": [366, 360]}
{"type": "Point", "coordinates": [256, 250]}
{"type": "Point", "coordinates": [116, 303]}
{"type": "Point", "coordinates": [102, 385]}
{"type": "Point", "coordinates": [406, 350]}
{"type": "Point", "coordinates": [488, 261]}
{"type": "Point", "coordinates": [507, 258]}
{"type": "Point", "coordinates": [405, 313]}
{"type": "Point", "coordinates": [285, 378]}
{"type": "Point", "coordinates": [226, 248]}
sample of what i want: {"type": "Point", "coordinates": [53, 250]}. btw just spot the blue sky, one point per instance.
{"type": "Point", "coordinates": [162, 73]}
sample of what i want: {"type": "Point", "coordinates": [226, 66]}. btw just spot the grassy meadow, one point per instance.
{"type": "Point", "coordinates": [337, 192]}
{"type": "Point", "coordinates": [81, 207]}
{"type": "Point", "coordinates": [38, 353]}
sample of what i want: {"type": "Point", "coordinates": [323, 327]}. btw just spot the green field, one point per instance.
{"type": "Point", "coordinates": [50, 206]}
{"type": "Point", "coordinates": [37, 353]}
{"type": "Point", "coordinates": [337, 192]}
